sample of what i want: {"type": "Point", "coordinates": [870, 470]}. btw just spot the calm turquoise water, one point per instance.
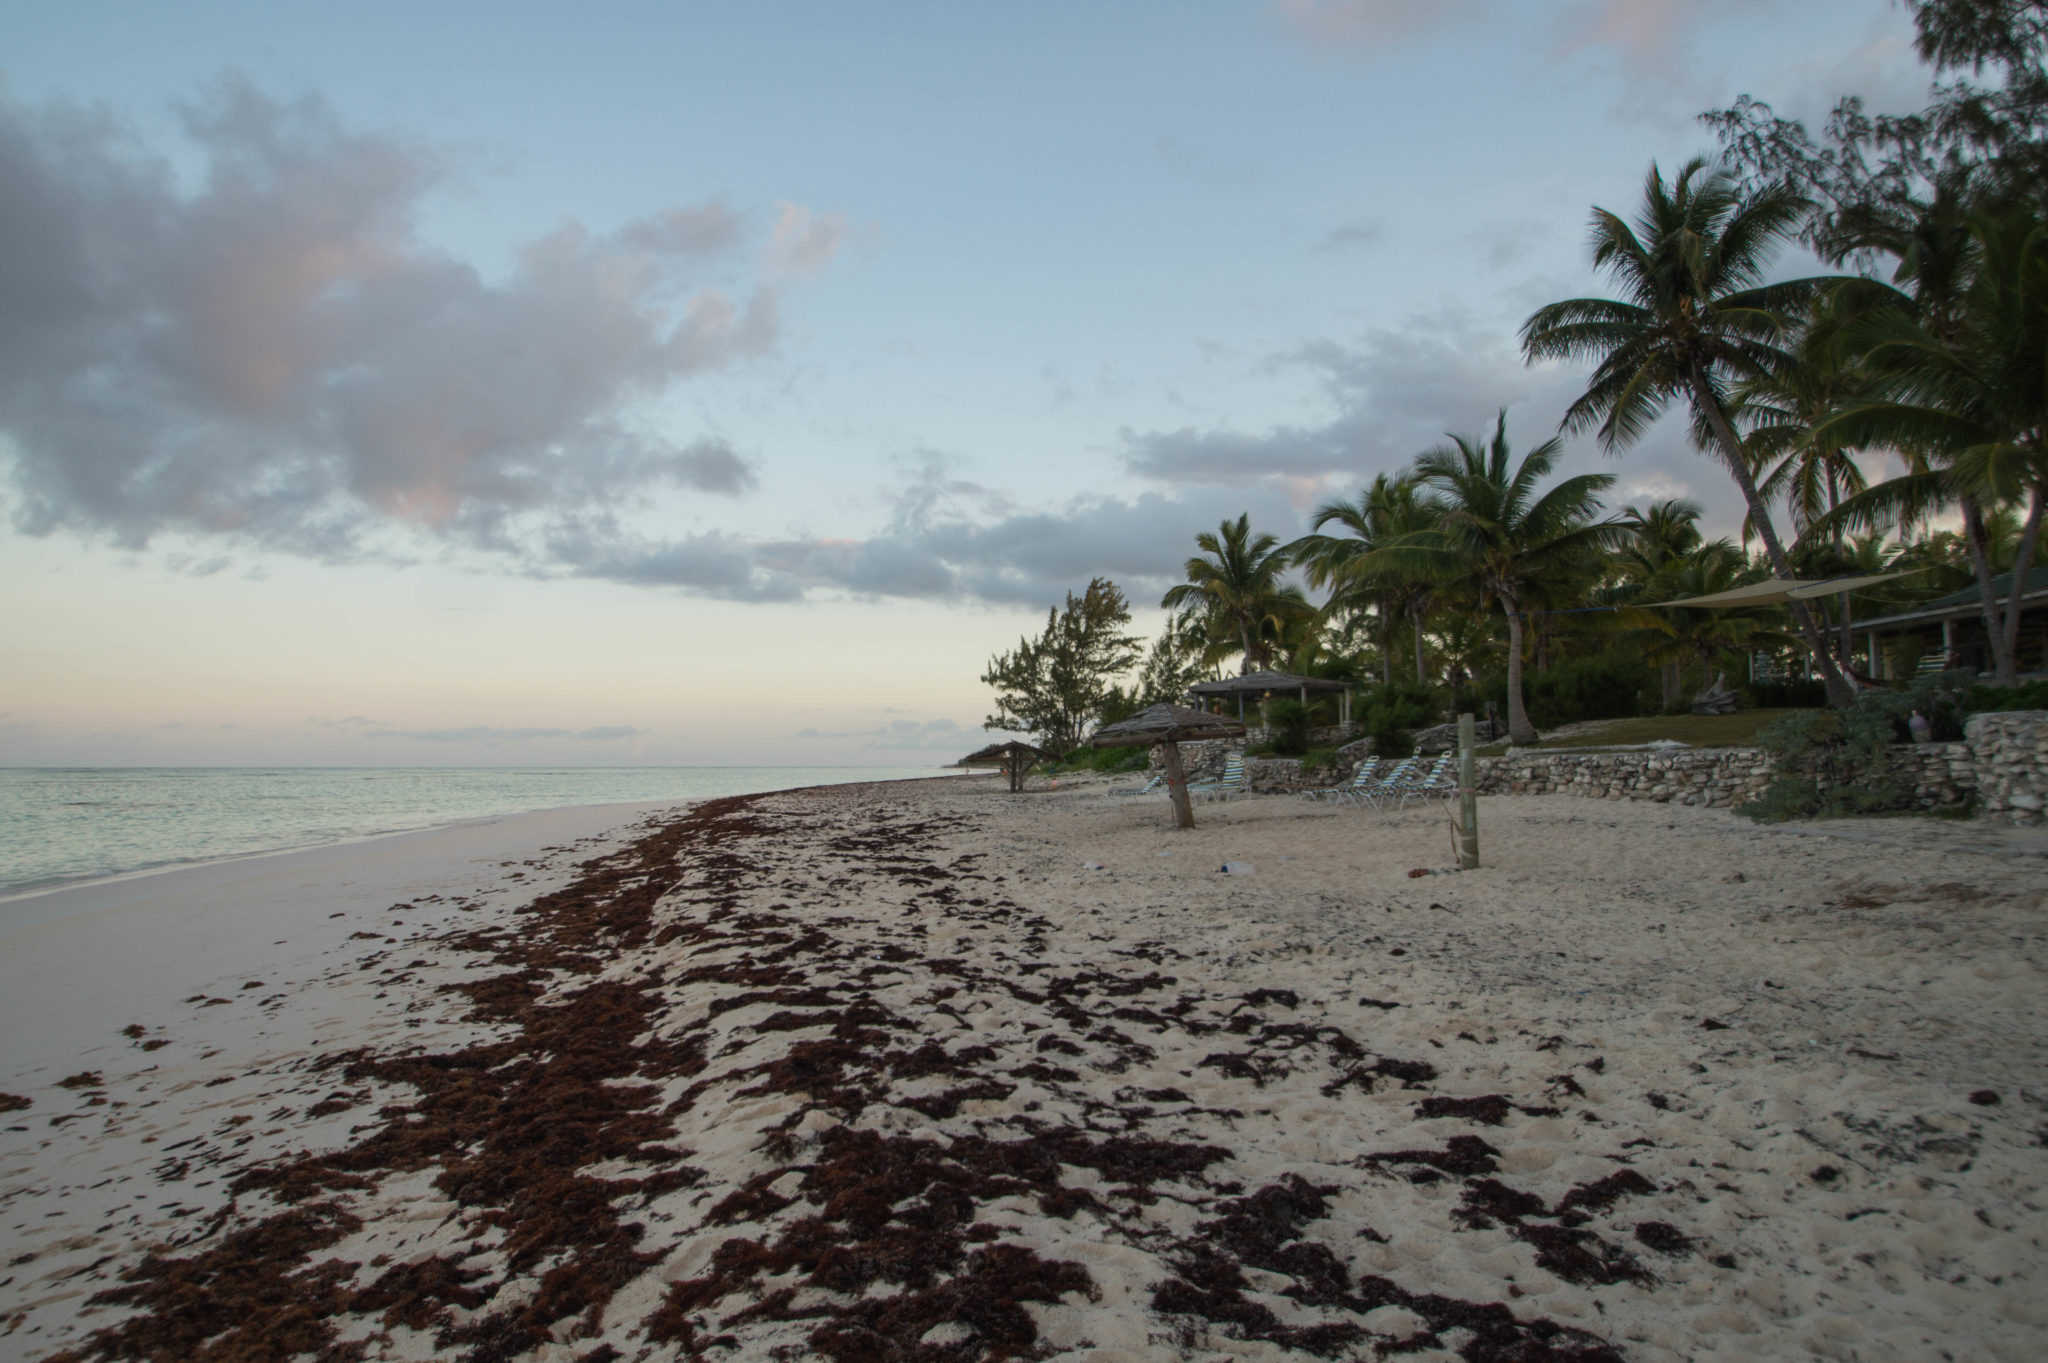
{"type": "Point", "coordinates": [67, 824]}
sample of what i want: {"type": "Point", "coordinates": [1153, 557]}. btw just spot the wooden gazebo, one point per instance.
{"type": "Point", "coordinates": [1168, 726]}
{"type": "Point", "coordinates": [1263, 684]}
{"type": "Point", "coordinates": [1013, 758]}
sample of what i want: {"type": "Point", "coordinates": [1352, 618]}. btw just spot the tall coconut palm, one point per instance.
{"type": "Point", "coordinates": [1974, 402]}
{"type": "Point", "coordinates": [1809, 474]}
{"type": "Point", "coordinates": [1678, 636]}
{"type": "Point", "coordinates": [1384, 512]}
{"type": "Point", "coordinates": [1658, 534]}
{"type": "Point", "coordinates": [1502, 535]}
{"type": "Point", "coordinates": [1235, 588]}
{"type": "Point", "coordinates": [1695, 319]}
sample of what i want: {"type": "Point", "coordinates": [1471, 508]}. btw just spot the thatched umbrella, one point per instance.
{"type": "Point", "coordinates": [1170, 726]}
{"type": "Point", "coordinates": [1012, 757]}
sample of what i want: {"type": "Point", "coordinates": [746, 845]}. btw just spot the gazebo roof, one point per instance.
{"type": "Point", "coordinates": [1164, 724]}
{"type": "Point", "coordinates": [997, 753]}
{"type": "Point", "coordinates": [1258, 683]}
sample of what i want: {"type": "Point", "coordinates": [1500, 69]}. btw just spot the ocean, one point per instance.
{"type": "Point", "coordinates": [59, 826]}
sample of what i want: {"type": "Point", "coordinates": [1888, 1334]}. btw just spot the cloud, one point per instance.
{"type": "Point", "coordinates": [271, 352]}
{"type": "Point", "coordinates": [902, 734]}
{"type": "Point", "coordinates": [365, 727]}
{"type": "Point", "coordinates": [1352, 235]}
{"type": "Point", "coordinates": [804, 243]}
{"type": "Point", "coordinates": [1389, 395]}
{"type": "Point", "coordinates": [1372, 26]}
{"type": "Point", "coordinates": [475, 733]}
{"type": "Point", "coordinates": [1651, 45]}
{"type": "Point", "coordinates": [1397, 391]}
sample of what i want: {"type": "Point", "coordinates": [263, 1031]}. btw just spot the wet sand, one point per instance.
{"type": "Point", "coordinates": [923, 1071]}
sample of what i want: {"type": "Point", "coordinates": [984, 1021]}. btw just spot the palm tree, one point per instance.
{"type": "Point", "coordinates": [1237, 592]}
{"type": "Point", "coordinates": [1974, 402]}
{"type": "Point", "coordinates": [1658, 534]}
{"type": "Point", "coordinates": [1813, 474]}
{"type": "Point", "coordinates": [1500, 536]}
{"type": "Point", "coordinates": [1675, 636]}
{"type": "Point", "coordinates": [1387, 510]}
{"type": "Point", "coordinates": [1696, 317]}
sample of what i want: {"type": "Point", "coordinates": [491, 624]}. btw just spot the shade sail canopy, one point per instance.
{"type": "Point", "coordinates": [1259, 683]}
{"type": "Point", "coordinates": [1002, 754]}
{"type": "Point", "coordinates": [1778, 589]}
{"type": "Point", "coordinates": [1164, 724]}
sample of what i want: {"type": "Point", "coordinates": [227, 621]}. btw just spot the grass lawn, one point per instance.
{"type": "Point", "coordinates": [1697, 731]}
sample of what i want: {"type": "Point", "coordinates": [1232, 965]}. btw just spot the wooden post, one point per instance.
{"type": "Point", "coordinates": [1468, 797]}
{"type": "Point", "coordinates": [1177, 787]}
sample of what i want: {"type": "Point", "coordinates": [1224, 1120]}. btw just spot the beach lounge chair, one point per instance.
{"type": "Point", "coordinates": [1228, 787]}
{"type": "Point", "coordinates": [1389, 784]}
{"type": "Point", "coordinates": [1155, 786]}
{"type": "Point", "coordinates": [1360, 779]}
{"type": "Point", "coordinates": [1439, 780]}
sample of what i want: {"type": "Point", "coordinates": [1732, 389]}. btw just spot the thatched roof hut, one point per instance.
{"type": "Point", "coordinates": [1013, 758]}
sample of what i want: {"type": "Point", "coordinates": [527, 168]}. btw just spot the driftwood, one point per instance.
{"type": "Point", "coordinates": [1718, 699]}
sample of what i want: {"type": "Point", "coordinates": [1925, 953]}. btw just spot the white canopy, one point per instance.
{"type": "Point", "coordinates": [1774, 590]}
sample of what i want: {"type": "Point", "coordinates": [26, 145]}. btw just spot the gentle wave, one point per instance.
{"type": "Point", "coordinates": [63, 825]}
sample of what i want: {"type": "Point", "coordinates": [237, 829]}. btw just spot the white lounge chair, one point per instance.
{"type": "Point", "coordinates": [1360, 779]}
{"type": "Point", "coordinates": [1155, 786]}
{"type": "Point", "coordinates": [1389, 784]}
{"type": "Point", "coordinates": [1228, 787]}
{"type": "Point", "coordinates": [1439, 781]}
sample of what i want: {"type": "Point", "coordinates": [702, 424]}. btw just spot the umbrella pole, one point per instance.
{"type": "Point", "coordinates": [1177, 787]}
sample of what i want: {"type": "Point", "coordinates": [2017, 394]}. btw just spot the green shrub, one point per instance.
{"type": "Point", "coordinates": [1798, 694]}
{"type": "Point", "coordinates": [1830, 763]}
{"type": "Point", "coordinates": [2029, 696]}
{"type": "Point", "coordinates": [1323, 760]}
{"type": "Point", "coordinates": [1289, 722]}
{"type": "Point", "coordinates": [1104, 759]}
{"type": "Point", "coordinates": [1392, 741]}
{"type": "Point", "coordinates": [1614, 685]}
{"type": "Point", "coordinates": [1390, 713]}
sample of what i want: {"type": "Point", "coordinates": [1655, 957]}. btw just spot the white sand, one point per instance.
{"type": "Point", "coordinates": [1843, 1196]}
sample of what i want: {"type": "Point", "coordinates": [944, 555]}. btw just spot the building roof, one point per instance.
{"type": "Point", "coordinates": [1966, 602]}
{"type": "Point", "coordinates": [1258, 683]}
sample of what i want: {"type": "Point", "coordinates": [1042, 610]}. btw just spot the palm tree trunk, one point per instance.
{"type": "Point", "coordinates": [1840, 693]}
{"type": "Point", "coordinates": [2030, 537]}
{"type": "Point", "coordinates": [2004, 671]}
{"type": "Point", "coordinates": [1416, 619]}
{"type": "Point", "coordinates": [1520, 730]}
{"type": "Point", "coordinates": [1848, 632]}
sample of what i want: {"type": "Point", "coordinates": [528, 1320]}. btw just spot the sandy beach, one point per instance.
{"type": "Point", "coordinates": [924, 1071]}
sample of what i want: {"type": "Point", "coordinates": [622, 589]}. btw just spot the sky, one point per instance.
{"type": "Point", "coordinates": [706, 384]}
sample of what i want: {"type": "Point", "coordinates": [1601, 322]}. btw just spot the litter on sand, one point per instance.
{"type": "Point", "coordinates": [1236, 868]}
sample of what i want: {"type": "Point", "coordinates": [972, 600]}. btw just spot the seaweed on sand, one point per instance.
{"type": "Point", "coordinates": [509, 1122]}
{"type": "Point", "coordinates": [1264, 1230]}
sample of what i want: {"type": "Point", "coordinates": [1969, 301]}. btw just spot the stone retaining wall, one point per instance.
{"type": "Point", "coordinates": [2002, 764]}
{"type": "Point", "coordinates": [1943, 775]}
{"type": "Point", "coordinates": [2010, 748]}
{"type": "Point", "coordinates": [1687, 776]}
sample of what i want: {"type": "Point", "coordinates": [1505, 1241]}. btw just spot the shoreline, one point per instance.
{"type": "Point", "coordinates": [1034, 1077]}
{"type": "Point", "coordinates": [63, 884]}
